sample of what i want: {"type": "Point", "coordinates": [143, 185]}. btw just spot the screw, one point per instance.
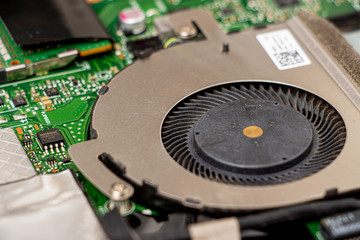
{"type": "Point", "coordinates": [119, 191]}
{"type": "Point", "coordinates": [120, 194]}
{"type": "Point", "coordinates": [187, 31]}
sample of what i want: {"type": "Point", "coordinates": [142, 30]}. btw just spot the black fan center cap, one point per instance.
{"type": "Point", "coordinates": [253, 136]}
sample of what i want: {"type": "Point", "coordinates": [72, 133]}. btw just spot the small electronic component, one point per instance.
{"type": "Point", "coordinates": [341, 226]}
{"type": "Point", "coordinates": [286, 3]}
{"type": "Point", "coordinates": [1, 102]}
{"type": "Point", "coordinates": [74, 81]}
{"type": "Point", "coordinates": [19, 116]}
{"type": "Point", "coordinates": [19, 101]}
{"type": "Point", "coordinates": [51, 139]}
{"type": "Point", "coordinates": [52, 92]}
{"type": "Point", "coordinates": [132, 21]}
{"type": "Point", "coordinates": [66, 160]}
{"type": "Point", "coordinates": [2, 92]}
{"type": "Point", "coordinates": [46, 101]}
{"type": "Point", "coordinates": [32, 155]}
{"type": "Point", "coordinates": [3, 120]}
{"type": "Point", "coordinates": [51, 161]}
{"type": "Point", "coordinates": [144, 47]}
{"type": "Point", "coordinates": [226, 11]}
{"type": "Point", "coordinates": [27, 142]}
{"type": "Point", "coordinates": [34, 94]}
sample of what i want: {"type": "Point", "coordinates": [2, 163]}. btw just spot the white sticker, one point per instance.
{"type": "Point", "coordinates": [283, 49]}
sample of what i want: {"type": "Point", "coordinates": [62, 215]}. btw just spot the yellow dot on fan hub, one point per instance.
{"type": "Point", "coordinates": [253, 131]}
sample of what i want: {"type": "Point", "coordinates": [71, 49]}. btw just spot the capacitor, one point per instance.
{"type": "Point", "coordinates": [132, 21]}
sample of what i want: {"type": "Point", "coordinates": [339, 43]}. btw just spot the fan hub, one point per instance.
{"type": "Point", "coordinates": [253, 131]}
{"type": "Point", "coordinates": [253, 136]}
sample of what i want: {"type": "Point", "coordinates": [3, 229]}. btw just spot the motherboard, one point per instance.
{"type": "Point", "coordinates": [50, 81]}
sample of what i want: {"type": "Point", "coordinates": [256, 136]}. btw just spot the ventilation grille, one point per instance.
{"type": "Point", "coordinates": [328, 126]}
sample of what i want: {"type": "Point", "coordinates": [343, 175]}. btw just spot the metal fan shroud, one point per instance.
{"type": "Point", "coordinates": [129, 117]}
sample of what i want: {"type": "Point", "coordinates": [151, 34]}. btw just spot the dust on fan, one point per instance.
{"type": "Point", "coordinates": [253, 133]}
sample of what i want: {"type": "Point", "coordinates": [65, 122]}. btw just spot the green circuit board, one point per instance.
{"type": "Point", "coordinates": [15, 54]}
{"type": "Point", "coordinates": [233, 15]}
{"type": "Point", "coordinates": [77, 84]}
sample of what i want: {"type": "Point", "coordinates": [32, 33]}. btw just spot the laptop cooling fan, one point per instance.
{"type": "Point", "coordinates": [253, 134]}
{"type": "Point", "coordinates": [230, 122]}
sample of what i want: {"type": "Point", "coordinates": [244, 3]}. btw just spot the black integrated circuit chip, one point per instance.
{"type": "Point", "coordinates": [48, 21]}
{"type": "Point", "coordinates": [19, 101]}
{"type": "Point", "coordinates": [66, 160]}
{"type": "Point", "coordinates": [74, 81]}
{"type": "Point", "coordinates": [287, 3]}
{"type": "Point", "coordinates": [27, 142]}
{"type": "Point", "coordinates": [50, 159]}
{"type": "Point", "coordinates": [226, 11]}
{"type": "Point", "coordinates": [1, 102]}
{"type": "Point", "coordinates": [52, 92]}
{"type": "Point", "coordinates": [50, 137]}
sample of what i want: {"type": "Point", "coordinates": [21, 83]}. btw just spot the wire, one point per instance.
{"type": "Point", "coordinates": [172, 41]}
{"type": "Point", "coordinates": [302, 212]}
